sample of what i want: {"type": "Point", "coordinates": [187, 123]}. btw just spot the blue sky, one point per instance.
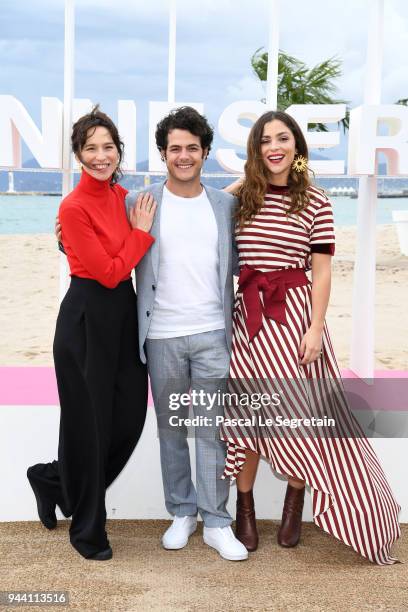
{"type": "Point", "coordinates": [121, 50]}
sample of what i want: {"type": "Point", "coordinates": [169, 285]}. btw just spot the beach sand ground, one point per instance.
{"type": "Point", "coordinates": [29, 267]}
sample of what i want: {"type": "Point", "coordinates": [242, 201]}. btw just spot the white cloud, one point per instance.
{"type": "Point", "coordinates": [120, 56]}
{"type": "Point", "coordinates": [247, 88]}
{"type": "Point", "coordinates": [395, 64]}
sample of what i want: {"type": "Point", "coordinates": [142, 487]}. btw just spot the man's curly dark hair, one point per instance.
{"type": "Point", "coordinates": [184, 118]}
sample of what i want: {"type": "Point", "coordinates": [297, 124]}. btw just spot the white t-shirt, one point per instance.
{"type": "Point", "coordinates": [188, 296]}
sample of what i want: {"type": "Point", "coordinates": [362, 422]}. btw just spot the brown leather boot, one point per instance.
{"type": "Point", "coordinates": [245, 527]}
{"type": "Point", "coordinates": [291, 525]}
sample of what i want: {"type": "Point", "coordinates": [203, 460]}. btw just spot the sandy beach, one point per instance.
{"type": "Point", "coordinates": [29, 299]}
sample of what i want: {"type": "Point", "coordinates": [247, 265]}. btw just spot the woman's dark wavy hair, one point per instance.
{"type": "Point", "coordinates": [184, 118]}
{"type": "Point", "coordinates": [94, 119]}
{"type": "Point", "coordinates": [251, 194]}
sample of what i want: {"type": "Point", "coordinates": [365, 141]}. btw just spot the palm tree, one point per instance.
{"type": "Point", "coordinates": [299, 84]}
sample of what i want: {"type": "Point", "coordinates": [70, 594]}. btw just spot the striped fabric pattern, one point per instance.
{"type": "Point", "coordinates": [351, 497]}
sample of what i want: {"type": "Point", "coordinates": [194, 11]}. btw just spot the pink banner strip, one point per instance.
{"type": "Point", "coordinates": [37, 386]}
{"type": "Point", "coordinates": [31, 386]}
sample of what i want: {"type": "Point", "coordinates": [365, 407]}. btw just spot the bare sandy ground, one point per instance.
{"type": "Point", "coordinates": [319, 574]}
{"type": "Point", "coordinates": [29, 267]}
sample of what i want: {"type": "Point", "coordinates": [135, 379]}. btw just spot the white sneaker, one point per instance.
{"type": "Point", "coordinates": [224, 541]}
{"type": "Point", "coordinates": [180, 530]}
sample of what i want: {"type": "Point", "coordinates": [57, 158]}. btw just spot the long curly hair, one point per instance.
{"type": "Point", "coordinates": [252, 192]}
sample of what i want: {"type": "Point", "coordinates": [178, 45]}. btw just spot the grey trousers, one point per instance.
{"type": "Point", "coordinates": [177, 365]}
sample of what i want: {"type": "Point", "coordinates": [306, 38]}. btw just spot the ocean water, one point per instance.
{"type": "Point", "coordinates": [36, 214]}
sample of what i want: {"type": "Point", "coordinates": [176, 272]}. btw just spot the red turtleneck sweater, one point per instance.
{"type": "Point", "coordinates": [97, 237]}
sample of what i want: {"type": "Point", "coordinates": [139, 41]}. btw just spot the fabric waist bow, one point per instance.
{"type": "Point", "coordinates": [272, 286]}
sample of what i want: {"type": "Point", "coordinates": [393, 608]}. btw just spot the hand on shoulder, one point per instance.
{"type": "Point", "coordinates": [234, 187]}
{"type": "Point", "coordinates": [141, 216]}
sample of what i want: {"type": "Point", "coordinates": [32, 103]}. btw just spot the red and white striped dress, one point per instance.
{"type": "Point", "coordinates": [351, 497]}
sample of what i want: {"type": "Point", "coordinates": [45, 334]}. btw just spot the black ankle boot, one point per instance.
{"type": "Point", "coordinates": [45, 507]}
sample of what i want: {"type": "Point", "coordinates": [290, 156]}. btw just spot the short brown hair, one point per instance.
{"type": "Point", "coordinates": [80, 135]}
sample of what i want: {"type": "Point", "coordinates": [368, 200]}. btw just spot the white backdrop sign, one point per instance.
{"type": "Point", "coordinates": [364, 141]}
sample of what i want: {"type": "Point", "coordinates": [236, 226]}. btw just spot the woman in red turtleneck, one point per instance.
{"type": "Point", "coordinates": [102, 383]}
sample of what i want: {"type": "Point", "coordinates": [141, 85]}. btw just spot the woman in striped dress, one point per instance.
{"type": "Point", "coordinates": [284, 229]}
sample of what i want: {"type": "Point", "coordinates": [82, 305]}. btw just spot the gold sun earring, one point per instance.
{"type": "Point", "coordinates": [299, 164]}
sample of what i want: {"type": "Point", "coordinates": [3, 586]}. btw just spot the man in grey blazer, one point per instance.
{"type": "Point", "coordinates": [184, 290]}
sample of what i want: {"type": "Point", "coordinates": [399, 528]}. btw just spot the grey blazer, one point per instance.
{"type": "Point", "coordinates": [147, 270]}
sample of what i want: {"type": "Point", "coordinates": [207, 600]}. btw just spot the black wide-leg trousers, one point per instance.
{"type": "Point", "coordinates": [102, 386]}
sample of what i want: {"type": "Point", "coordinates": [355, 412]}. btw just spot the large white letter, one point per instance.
{"type": "Point", "coordinates": [305, 114]}
{"type": "Point", "coordinates": [157, 111]}
{"type": "Point", "coordinates": [232, 131]}
{"type": "Point", "coordinates": [364, 140]}
{"type": "Point", "coordinates": [16, 123]}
